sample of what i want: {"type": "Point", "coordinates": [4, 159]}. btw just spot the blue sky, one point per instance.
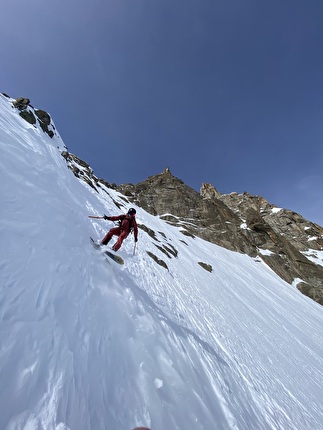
{"type": "Point", "coordinates": [226, 92]}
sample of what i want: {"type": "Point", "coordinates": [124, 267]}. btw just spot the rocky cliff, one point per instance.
{"type": "Point", "coordinates": [289, 244]}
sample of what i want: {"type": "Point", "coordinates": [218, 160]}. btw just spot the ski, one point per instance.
{"type": "Point", "coordinates": [109, 254]}
{"type": "Point", "coordinates": [93, 242]}
{"type": "Point", "coordinates": [114, 257]}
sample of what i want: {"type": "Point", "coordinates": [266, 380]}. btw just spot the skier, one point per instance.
{"type": "Point", "coordinates": [127, 223]}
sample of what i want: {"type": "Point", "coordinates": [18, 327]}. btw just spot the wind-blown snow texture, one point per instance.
{"type": "Point", "coordinates": [90, 345]}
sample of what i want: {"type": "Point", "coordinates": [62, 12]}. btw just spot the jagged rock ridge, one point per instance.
{"type": "Point", "coordinates": [243, 223]}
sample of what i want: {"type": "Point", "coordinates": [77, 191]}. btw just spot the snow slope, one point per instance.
{"type": "Point", "coordinates": [86, 344]}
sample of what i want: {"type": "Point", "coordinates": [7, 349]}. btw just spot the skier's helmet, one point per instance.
{"type": "Point", "coordinates": [132, 212]}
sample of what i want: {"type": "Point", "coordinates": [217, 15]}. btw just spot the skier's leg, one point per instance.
{"type": "Point", "coordinates": [108, 236]}
{"type": "Point", "coordinates": [121, 238]}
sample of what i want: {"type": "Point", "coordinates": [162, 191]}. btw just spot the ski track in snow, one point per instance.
{"type": "Point", "coordinates": [90, 345]}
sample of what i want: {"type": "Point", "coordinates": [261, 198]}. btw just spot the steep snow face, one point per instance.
{"type": "Point", "coordinates": [88, 344]}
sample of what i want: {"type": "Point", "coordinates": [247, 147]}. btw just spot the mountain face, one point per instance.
{"type": "Point", "coordinates": [291, 245]}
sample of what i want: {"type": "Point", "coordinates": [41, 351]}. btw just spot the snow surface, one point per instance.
{"type": "Point", "coordinates": [314, 255]}
{"type": "Point", "coordinates": [276, 210]}
{"type": "Point", "coordinates": [265, 252]}
{"type": "Point", "coordinates": [86, 344]}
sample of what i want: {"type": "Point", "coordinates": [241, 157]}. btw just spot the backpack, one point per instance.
{"type": "Point", "coordinates": [130, 221]}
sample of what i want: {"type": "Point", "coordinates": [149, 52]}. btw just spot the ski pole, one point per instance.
{"type": "Point", "coordinates": [96, 217]}
{"type": "Point", "coordinates": [134, 248]}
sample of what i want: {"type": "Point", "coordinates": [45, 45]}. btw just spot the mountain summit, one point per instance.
{"type": "Point", "coordinates": [197, 330]}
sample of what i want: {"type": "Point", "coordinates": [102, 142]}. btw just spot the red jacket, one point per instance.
{"type": "Point", "coordinates": [127, 223]}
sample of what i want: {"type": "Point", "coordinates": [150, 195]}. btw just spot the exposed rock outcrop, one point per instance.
{"type": "Point", "coordinates": [167, 196]}
{"type": "Point", "coordinates": [31, 115]}
{"type": "Point", "coordinates": [284, 240]}
{"type": "Point", "coordinates": [83, 171]}
{"type": "Point", "coordinates": [208, 191]}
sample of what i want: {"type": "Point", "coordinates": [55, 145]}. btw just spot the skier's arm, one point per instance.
{"type": "Point", "coordinates": [114, 218]}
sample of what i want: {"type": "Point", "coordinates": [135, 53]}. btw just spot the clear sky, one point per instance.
{"type": "Point", "coordinates": [228, 92]}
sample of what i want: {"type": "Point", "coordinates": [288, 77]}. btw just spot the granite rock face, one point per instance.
{"type": "Point", "coordinates": [287, 242]}
{"type": "Point", "coordinates": [182, 206]}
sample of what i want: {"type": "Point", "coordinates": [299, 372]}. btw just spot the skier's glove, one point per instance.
{"type": "Point", "coordinates": [105, 217]}
{"type": "Point", "coordinates": [136, 239]}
